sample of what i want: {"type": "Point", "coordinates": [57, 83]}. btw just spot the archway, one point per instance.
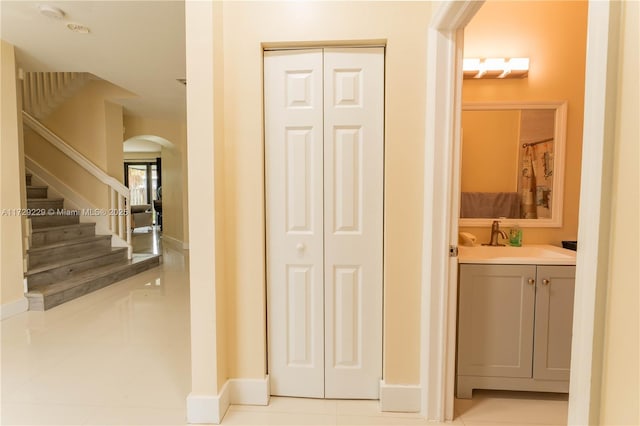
{"type": "Point", "coordinates": [143, 171]}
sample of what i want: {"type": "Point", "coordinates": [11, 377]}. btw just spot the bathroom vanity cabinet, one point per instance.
{"type": "Point", "coordinates": [514, 327]}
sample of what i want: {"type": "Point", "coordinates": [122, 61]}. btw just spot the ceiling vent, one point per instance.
{"type": "Point", "coordinates": [51, 12]}
{"type": "Point", "coordinates": [78, 28]}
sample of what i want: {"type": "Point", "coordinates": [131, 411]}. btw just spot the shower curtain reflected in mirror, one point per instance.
{"type": "Point", "coordinates": [536, 179]}
{"type": "Point", "coordinates": [535, 182]}
{"type": "Point", "coordinates": [528, 185]}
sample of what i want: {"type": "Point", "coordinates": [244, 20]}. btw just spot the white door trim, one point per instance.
{"type": "Point", "coordinates": [594, 214]}
{"type": "Point", "coordinates": [444, 77]}
{"type": "Point", "coordinates": [438, 299]}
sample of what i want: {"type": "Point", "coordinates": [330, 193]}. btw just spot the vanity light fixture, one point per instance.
{"type": "Point", "coordinates": [495, 67]}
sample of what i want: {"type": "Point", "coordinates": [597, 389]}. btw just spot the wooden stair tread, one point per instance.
{"type": "Point", "coordinates": [48, 199]}
{"type": "Point", "coordinates": [56, 228]}
{"type": "Point", "coordinates": [68, 243]}
{"type": "Point", "coordinates": [90, 275]}
{"type": "Point", "coordinates": [71, 261]}
{"type": "Point", "coordinates": [50, 221]}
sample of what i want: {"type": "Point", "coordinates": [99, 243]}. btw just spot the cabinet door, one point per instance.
{"type": "Point", "coordinates": [554, 322]}
{"type": "Point", "coordinates": [496, 309]}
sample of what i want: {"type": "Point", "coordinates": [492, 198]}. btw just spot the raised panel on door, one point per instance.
{"type": "Point", "coordinates": [294, 199]}
{"type": "Point", "coordinates": [554, 322]}
{"type": "Point", "coordinates": [495, 325]}
{"type": "Point", "coordinates": [353, 217]}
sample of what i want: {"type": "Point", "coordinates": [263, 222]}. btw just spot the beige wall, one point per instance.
{"type": "Point", "coordinates": [11, 180]}
{"type": "Point", "coordinates": [553, 35]}
{"type": "Point", "coordinates": [66, 170]}
{"type": "Point", "coordinates": [620, 391]}
{"type": "Point", "coordinates": [113, 133]}
{"type": "Point", "coordinates": [173, 211]}
{"type": "Point", "coordinates": [173, 131]}
{"type": "Point", "coordinates": [173, 153]}
{"type": "Point", "coordinates": [204, 131]}
{"type": "Point", "coordinates": [222, 283]}
{"type": "Point", "coordinates": [404, 27]}
{"type": "Point", "coordinates": [92, 124]}
{"type": "Point", "coordinates": [89, 122]}
{"type": "Point", "coordinates": [142, 155]}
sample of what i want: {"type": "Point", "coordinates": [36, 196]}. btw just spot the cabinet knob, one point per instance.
{"type": "Point", "coordinates": [532, 281]}
{"type": "Point", "coordinates": [546, 281]}
{"type": "Point", "coordinates": [300, 247]}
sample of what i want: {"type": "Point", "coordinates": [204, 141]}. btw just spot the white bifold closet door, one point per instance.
{"type": "Point", "coordinates": [324, 113]}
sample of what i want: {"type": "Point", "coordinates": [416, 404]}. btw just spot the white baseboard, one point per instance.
{"type": "Point", "coordinates": [208, 409]}
{"type": "Point", "coordinates": [400, 398]}
{"type": "Point", "coordinates": [14, 308]}
{"type": "Point", "coordinates": [249, 391]}
{"type": "Point", "coordinates": [175, 242]}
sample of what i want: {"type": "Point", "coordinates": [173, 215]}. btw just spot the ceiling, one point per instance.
{"type": "Point", "coordinates": [137, 45]}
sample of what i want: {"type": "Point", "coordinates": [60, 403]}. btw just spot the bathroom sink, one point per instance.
{"type": "Point", "coordinates": [525, 255]}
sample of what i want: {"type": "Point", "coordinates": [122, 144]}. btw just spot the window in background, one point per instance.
{"type": "Point", "coordinates": [143, 180]}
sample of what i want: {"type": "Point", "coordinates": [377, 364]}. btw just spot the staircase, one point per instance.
{"type": "Point", "coordinates": [66, 258]}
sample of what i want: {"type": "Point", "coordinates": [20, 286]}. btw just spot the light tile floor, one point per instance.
{"type": "Point", "coordinates": [147, 240]}
{"type": "Point", "coordinates": [121, 356]}
{"type": "Point", "coordinates": [514, 408]}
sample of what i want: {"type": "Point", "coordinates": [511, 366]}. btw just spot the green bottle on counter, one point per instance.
{"type": "Point", "coordinates": [515, 236]}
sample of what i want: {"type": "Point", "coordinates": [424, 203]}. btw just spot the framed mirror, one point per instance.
{"type": "Point", "coordinates": [512, 165]}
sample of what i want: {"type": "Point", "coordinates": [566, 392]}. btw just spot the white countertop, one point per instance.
{"type": "Point", "coordinates": [525, 255]}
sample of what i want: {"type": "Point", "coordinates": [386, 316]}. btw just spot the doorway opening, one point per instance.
{"type": "Point", "coordinates": [144, 180]}
{"type": "Point", "coordinates": [488, 356]}
{"type": "Point", "coordinates": [441, 209]}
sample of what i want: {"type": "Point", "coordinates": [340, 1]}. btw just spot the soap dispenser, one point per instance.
{"type": "Point", "coordinates": [515, 236]}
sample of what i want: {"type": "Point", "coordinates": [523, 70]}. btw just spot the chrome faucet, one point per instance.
{"type": "Point", "coordinates": [496, 233]}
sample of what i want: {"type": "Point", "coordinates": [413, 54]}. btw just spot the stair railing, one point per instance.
{"type": "Point", "coordinates": [119, 208]}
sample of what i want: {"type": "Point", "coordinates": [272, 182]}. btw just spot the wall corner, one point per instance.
{"type": "Point", "coordinates": [400, 398]}
{"type": "Point", "coordinates": [250, 391]}
{"type": "Point", "coordinates": [16, 307]}
{"type": "Point", "coordinates": [208, 409]}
